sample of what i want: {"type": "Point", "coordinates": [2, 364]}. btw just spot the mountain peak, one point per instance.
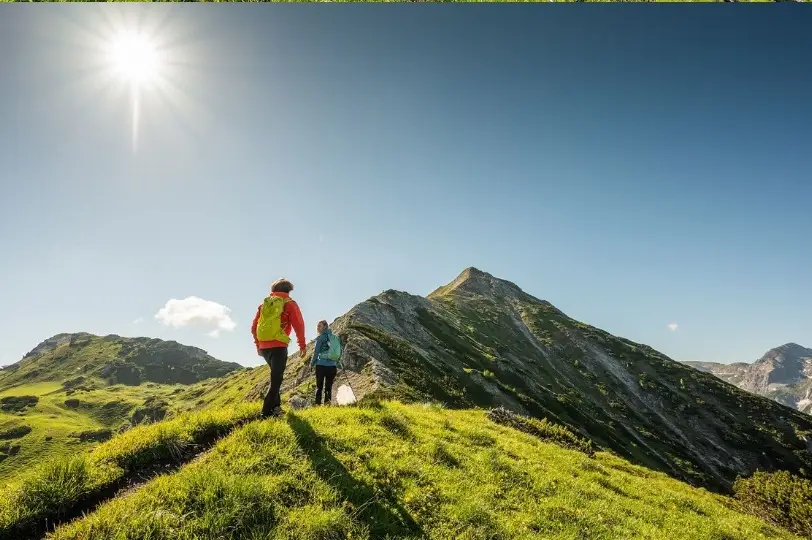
{"type": "Point", "coordinates": [791, 352]}
{"type": "Point", "coordinates": [55, 341]}
{"type": "Point", "coordinates": [793, 348]}
{"type": "Point", "coordinates": [475, 281]}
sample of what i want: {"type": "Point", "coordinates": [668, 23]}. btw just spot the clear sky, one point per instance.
{"type": "Point", "coordinates": [635, 166]}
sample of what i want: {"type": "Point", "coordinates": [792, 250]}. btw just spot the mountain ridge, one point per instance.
{"type": "Point", "coordinates": [783, 374]}
{"type": "Point", "coordinates": [480, 341]}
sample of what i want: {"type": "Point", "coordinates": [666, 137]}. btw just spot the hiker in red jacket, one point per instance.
{"type": "Point", "coordinates": [275, 318]}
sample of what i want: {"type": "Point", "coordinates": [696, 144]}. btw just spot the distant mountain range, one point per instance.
{"type": "Point", "coordinates": [783, 374]}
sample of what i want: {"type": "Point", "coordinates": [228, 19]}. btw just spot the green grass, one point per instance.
{"type": "Point", "coordinates": [62, 485]}
{"type": "Point", "coordinates": [36, 389]}
{"type": "Point", "coordinates": [92, 385]}
{"type": "Point", "coordinates": [779, 497]}
{"type": "Point", "coordinates": [543, 429]}
{"type": "Point", "coordinates": [406, 471]}
{"type": "Point", "coordinates": [58, 419]}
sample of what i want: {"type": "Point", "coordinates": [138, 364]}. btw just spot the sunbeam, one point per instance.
{"type": "Point", "coordinates": [135, 58]}
{"type": "Point", "coordinates": [141, 73]}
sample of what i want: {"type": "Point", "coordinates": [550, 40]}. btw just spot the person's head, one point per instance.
{"type": "Point", "coordinates": [281, 285]}
{"type": "Point", "coordinates": [322, 326]}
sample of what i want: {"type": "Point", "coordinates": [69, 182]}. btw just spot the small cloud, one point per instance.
{"type": "Point", "coordinates": [673, 326]}
{"type": "Point", "coordinates": [195, 312]}
{"type": "Point", "coordinates": [139, 320]}
{"type": "Point", "coordinates": [321, 238]}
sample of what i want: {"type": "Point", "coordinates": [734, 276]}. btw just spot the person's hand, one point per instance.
{"type": "Point", "coordinates": [259, 351]}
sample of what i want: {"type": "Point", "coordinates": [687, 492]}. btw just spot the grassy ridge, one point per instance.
{"type": "Point", "coordinates": [69, 484]}
{"type": "Point", "coordinates": [409, 471]}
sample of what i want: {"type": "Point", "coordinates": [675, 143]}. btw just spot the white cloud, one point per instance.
{"type": "Point", "coordinates": [139, 320]}
{"type": "Point", "coordinates": [673, 326]}
{"type": "Point", "coordinates": [195, 312]}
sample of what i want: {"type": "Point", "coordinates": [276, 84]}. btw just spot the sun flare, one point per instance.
{"type": "Point", "coordinates": [135, 58]}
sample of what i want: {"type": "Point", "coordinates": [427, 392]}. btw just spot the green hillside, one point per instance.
{"type": "Point", "coordinates": [384, 469]}
{"type": "Point", "coordinates": [74, 390]}
{"type": "Point", "coordinates": [84, 361]}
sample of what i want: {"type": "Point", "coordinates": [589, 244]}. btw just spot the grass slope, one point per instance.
{"type": "Point", "coordinates": [409, 471]}
{"type": "Point", "coordinates": [63, 424]}
{"type": "Point", "coordinates": [71, 483]}
{"type": "Point", "coordinates": [75, 390]}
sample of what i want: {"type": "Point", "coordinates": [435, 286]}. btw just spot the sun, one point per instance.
{"type": "Point", "coordinates": [135, 58]}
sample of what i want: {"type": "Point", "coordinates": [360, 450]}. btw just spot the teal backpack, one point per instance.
{"type": "Point", "coordinates": [334, 352]}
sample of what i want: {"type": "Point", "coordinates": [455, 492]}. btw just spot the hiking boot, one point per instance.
{"type": "Point", "coordinates": [277, 412]}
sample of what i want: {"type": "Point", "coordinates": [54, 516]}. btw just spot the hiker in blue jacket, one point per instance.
{"type": "Point", "coordinates": [326, 368]}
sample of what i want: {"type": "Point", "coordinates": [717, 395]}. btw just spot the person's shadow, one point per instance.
{"type": "Point", "coordinates": [384, 516]}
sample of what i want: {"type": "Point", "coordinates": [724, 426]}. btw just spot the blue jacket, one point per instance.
{"type": "Point", "coordinates": [322, 345]}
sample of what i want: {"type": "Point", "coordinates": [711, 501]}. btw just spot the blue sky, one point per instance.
{"type": "Point", "coordinates": [637, 167]}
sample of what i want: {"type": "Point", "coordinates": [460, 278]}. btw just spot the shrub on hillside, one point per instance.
{"type": "Point", "coordinates": [9, 449]}
{"type": "Point", "coordinates": [77, 383]}
{"type": "Point", "coordinates": [93, 435]}
{"type": "Point", "coordinates": [543, 429]}
{"type": "Point", "coordinates": [17, 403]}
{"type": "Point", "coordinates": [15, 432]}
{"type": "Point", "coordinates": [780, 497]}
{"type": "Point", "coordinates": [153, 410]}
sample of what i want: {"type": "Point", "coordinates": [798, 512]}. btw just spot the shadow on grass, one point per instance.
{"type": "Point", "coordinates": [54, 513]}
{"type": "Point", "coordinates": [381, 513]}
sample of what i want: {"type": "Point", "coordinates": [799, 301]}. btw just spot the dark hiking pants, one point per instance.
{"type": "Point", "coordinates": [325, 375]}
{"type": "Point", "coordinates": [277, 358]}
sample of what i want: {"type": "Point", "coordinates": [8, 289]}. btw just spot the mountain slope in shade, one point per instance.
{"type": "Point", "coordinates": [783, 374]}
{"type": "Point", "coordinates": [482, 341]}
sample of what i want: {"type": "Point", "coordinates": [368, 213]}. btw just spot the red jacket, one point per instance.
{"type": "Point", "coordinates": [291, 318]}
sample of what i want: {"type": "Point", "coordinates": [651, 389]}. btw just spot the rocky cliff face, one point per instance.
{"type": "Point", "coordinates": [783, 374]}
{"type": "Point", "coordinates": [482, 341]}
